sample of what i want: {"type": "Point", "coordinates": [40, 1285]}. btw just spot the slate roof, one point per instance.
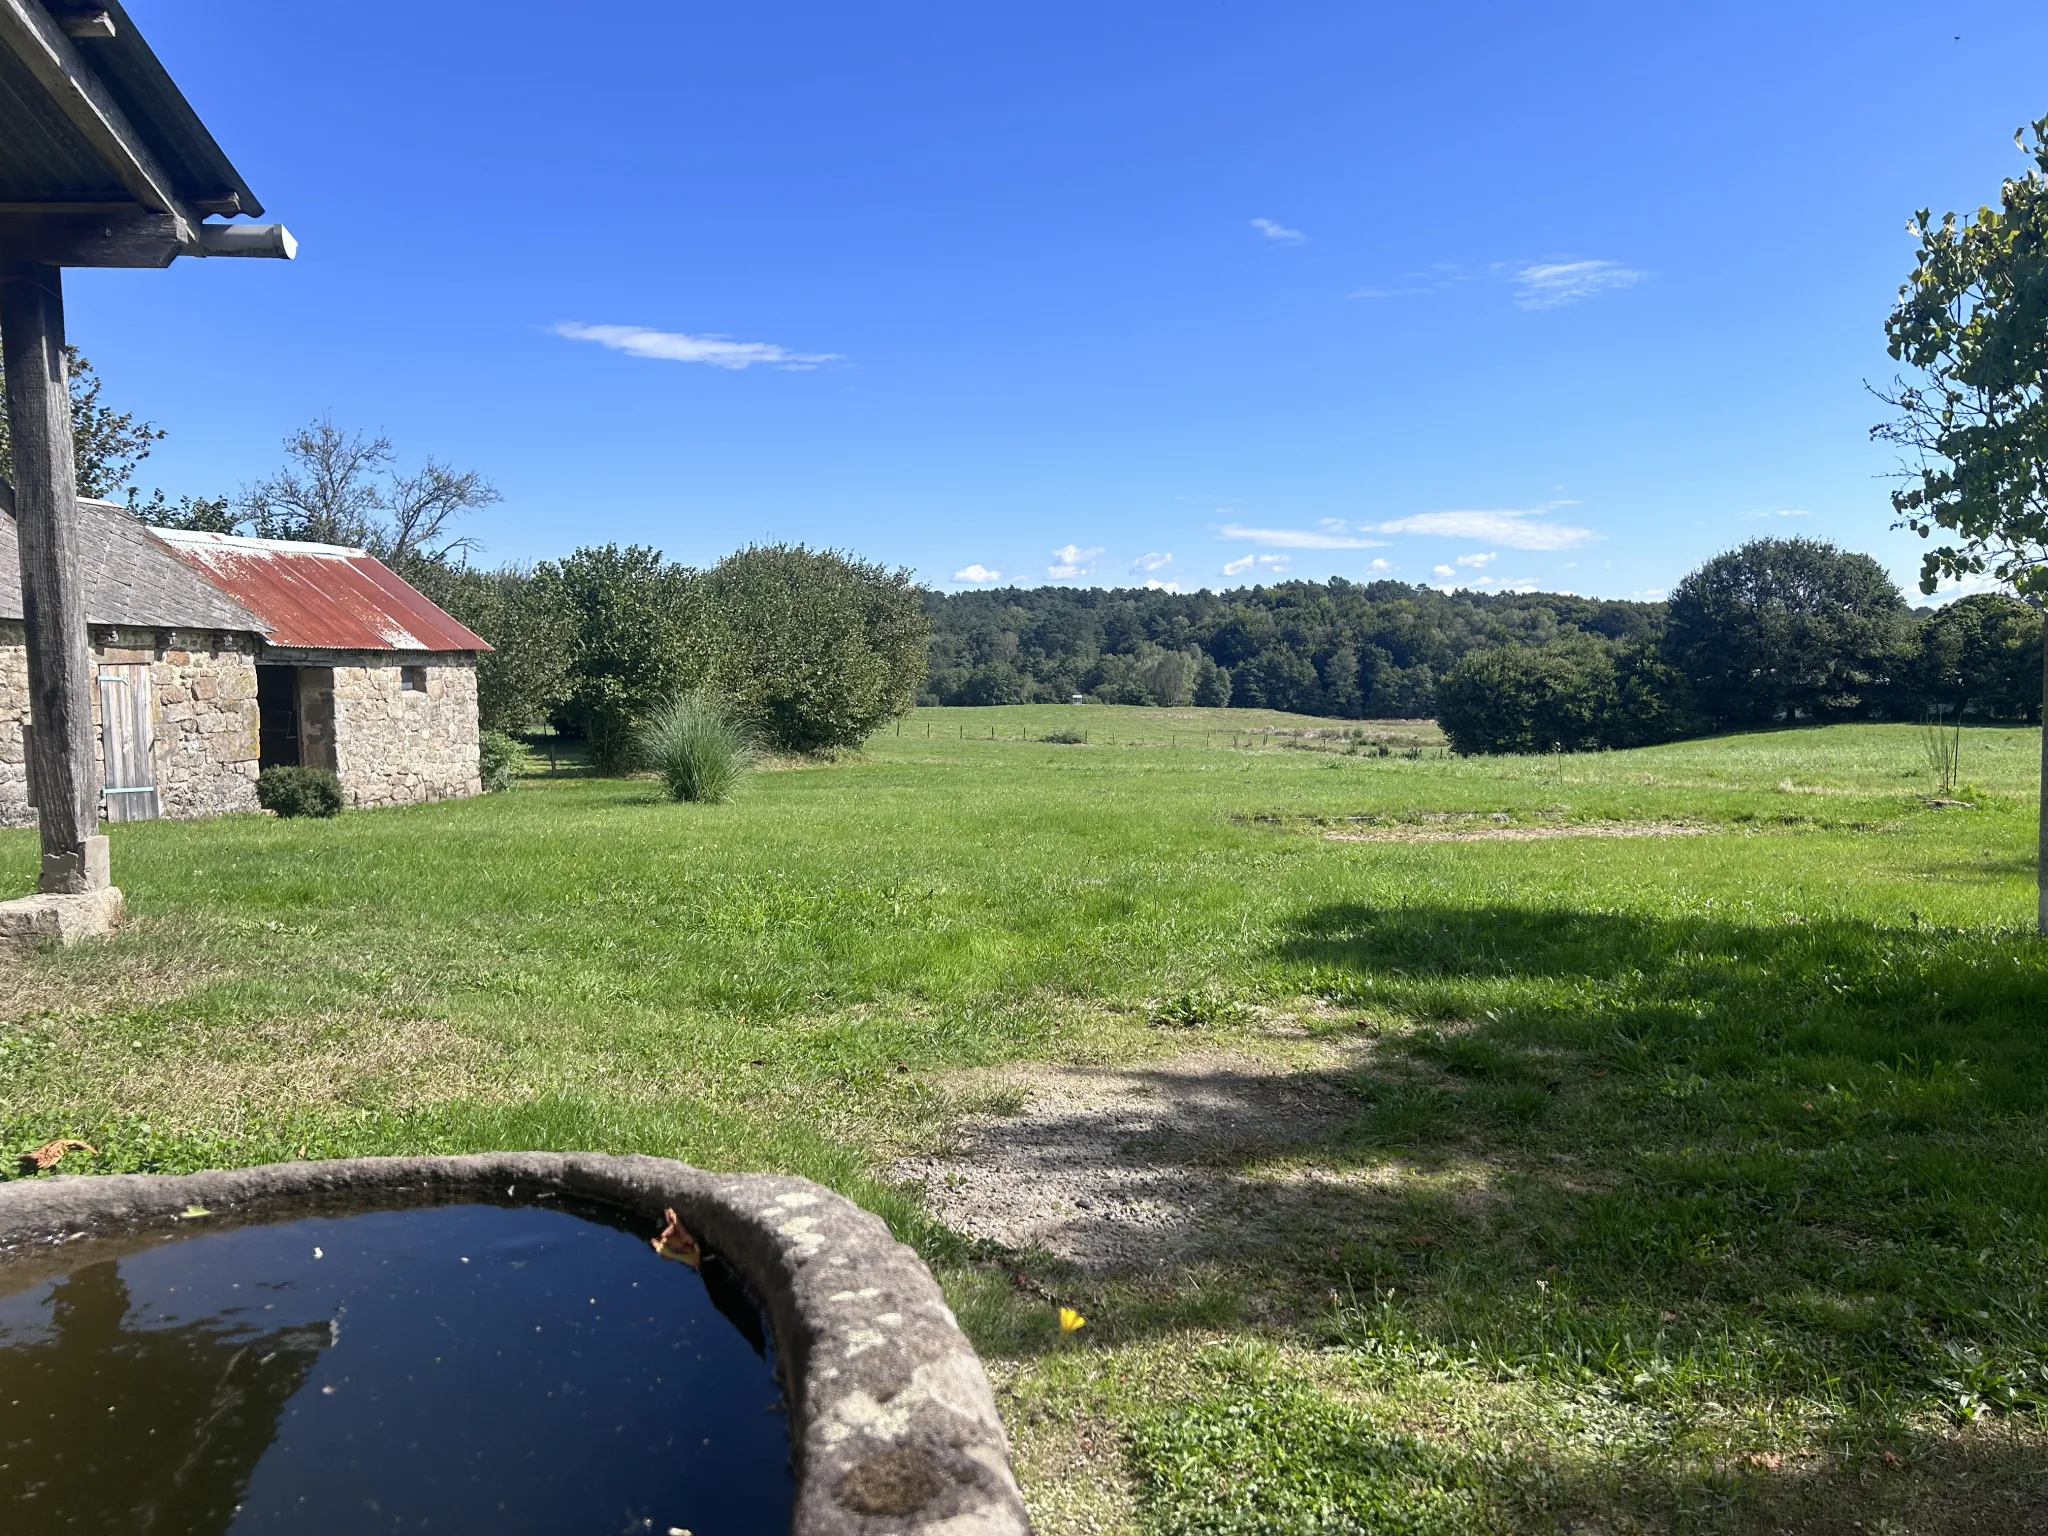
{"type": "Point", "coordinates": [130, 579]}
{"type": "Point", "coordinates": [321, 596]}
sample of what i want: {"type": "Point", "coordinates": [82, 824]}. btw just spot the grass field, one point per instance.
{"type": "Point", "coordinates": [1691, 1180]}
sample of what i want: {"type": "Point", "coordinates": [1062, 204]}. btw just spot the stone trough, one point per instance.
{"type": "Point", "coordinates": [893, 1427]}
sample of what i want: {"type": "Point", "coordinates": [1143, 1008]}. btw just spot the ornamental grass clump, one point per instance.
{"type": "Point", "coordinates": [698, 748]}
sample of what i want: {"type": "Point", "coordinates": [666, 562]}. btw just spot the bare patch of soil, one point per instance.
{"type": "Point", "coordinates": [1134, 1168]}
{"type": "Point", "coordinates": [1516, 834]}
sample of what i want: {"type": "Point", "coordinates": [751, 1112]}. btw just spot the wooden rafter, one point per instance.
{"type": "Point", "coordinates": [38, 40]}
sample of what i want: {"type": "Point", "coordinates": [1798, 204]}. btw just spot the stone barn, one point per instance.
{"type": "Point", "coordinates": [216, 657]}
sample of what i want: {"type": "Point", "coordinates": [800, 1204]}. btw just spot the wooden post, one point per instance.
{"type": "Point", "coordinates": [52, 584]}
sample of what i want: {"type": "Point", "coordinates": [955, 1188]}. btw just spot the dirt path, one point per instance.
{"type": "Point", "coordinates": [1117, 1168]}
{"type": "Point", "coordinates": [1412, 834]}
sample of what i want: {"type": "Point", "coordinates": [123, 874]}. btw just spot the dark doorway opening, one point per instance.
{"type": "Point", "coordinates": [295, 716]}
{"type": "Point", "coordinates": [277, 717]}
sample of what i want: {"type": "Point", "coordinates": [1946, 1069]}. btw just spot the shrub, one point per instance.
{"type": "Point", "coordinates": [1579, 693]}
{"type": "Point", "coordinates": [293, 791]}
{"type": "Point", "coordinates": [698, 749]}
{"type": "Point", "coordinates": [1065, 738]}
{"type": "Point", "coordinates": [815, 649]}
{"type": "Point", "coordinates": [497, 760]}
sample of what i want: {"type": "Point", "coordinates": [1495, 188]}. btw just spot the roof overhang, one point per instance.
{"type": "Point", "coordinates": [103, 162]}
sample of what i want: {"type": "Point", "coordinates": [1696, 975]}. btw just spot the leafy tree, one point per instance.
{"type": "Point", "coordinates": [1972, 322]}
{"type": "Point", "coordinates": [814, 648]}
{"type": "Point", "coordinates": [1279, 678]}
{"type": "Point", "coordinates": [106, 444]}
{"type": "Point", "coordinates": [1579, 693]}
{"type": "Point", "coordinates": [1785, 629]}
{"type": "Point", "coordinates": [1518, 698]}
{"type": "Point", "coordinates": [197, 514]}
{"type": "Point", "coordinates": [1212, 683]}
{"type": "Point", "coordinates": [1152, 675]}
{"type": "Point", "coordinates": [625, 613]}
{"type": "Point", "coordinates": [1981, 653]}
{"type": "Point", "coordinates": [523, 679]}
{"type": "Point", "coordinates": [344, 488]}
{"type": "Point", "coordinates": [996, 683]}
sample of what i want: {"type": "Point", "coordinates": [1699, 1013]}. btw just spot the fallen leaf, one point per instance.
{"type": "Point", "coordinates": [192, 1211]}
{"type": "Point", "coordinates": [51, 1153]}
{"type": "Point", "coordinates": [675, 1242]}
{"type": "Point", "coordinates": [1071, 1321]}
{"type": "Point", "coordinates": [1770, 1461]}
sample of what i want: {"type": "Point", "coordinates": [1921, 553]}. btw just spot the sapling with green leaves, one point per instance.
{"type": "Point", "coordinates": [1972, 324]}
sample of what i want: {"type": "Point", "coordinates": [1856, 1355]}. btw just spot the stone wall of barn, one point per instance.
{"type": "Point", "coordinates": [396, 744]}
{"type": "Point", "coordinates": [204, 717]}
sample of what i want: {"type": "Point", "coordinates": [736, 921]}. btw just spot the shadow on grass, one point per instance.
{"type": "Point", "coordinates": [1712, 1170]}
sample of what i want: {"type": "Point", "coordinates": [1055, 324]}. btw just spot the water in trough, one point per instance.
{"type": "Point", "coordinates": [463, 1368]}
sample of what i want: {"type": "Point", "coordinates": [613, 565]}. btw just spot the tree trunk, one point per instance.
{"type": "Point", "coordinates": [2041, 857]}
{"type": "Point", "coordinates": [52, 584]}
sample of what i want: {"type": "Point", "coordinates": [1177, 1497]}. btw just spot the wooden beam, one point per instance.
{"type": "Point", "coordinates": [89, 21]}
{"type": "Point", "coordinates": [39, 42]}
{"type": "Point", "coordinates": [52, 579]}
{"type": "Point", "coordinates": [125, 235]}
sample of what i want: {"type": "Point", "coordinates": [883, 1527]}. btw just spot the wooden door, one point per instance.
{"type": "Point", "coordinates": [128, 740]}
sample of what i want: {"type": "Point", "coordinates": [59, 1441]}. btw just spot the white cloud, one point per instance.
{"type": "Point", "coordinates": [675, 347]}
{"type": "Point", "coordinates": [1515, 529]}
{"type": "Point", "coordinates": [1071, 560]}
{"type": "Point", "coordinates": [1300, 538]}
{"type": "Point", "coordinates": [1554, 284]}
{"type": "Point", "coordinates": [1475, 561]}
{"type": "Point", "coordinates": [1383, 565]}
{"type": "Point", "coordinates": [1273, 563]}
{"type": "Point", "coordinates": [1781, 512]}
{"type": "Point", "coordinates": [1443, 572]}
{"type": "Point", "coordinates": [1280, 232]}
{"type": "Point", "coordinates": [1151, 562]}
{"type": "Point", "coordinates": [977, 573]}
{"type": "Point", "coordinates": [1162, 586]}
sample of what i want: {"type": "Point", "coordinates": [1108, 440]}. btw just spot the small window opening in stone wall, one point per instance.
{"type": "Point", "coordinates": [412, 679]}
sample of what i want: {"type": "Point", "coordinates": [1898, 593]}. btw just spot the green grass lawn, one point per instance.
{"type": "Point", "coordinates": [1694, 1182]}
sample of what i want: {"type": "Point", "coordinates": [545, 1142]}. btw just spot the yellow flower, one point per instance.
{"type": "Point", "coordinates": [1070, 1320]}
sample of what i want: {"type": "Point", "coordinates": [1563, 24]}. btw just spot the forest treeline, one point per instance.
{"type": "Point", "coordinates": [815, 649]}
{"type": "Point", "coordinates": [1355, 650]}
{"type": "Point", "coordinates": [1778, 630]}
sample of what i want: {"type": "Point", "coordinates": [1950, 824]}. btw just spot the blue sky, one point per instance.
{"type": "Point", "coordinates": [1572, 296]}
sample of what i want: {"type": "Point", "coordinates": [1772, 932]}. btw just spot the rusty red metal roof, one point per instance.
{"type": "Point", "coordinates": [321, 596]}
